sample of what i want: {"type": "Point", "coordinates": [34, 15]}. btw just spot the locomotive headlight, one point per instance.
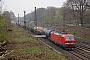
{"type": "Point", "coordinates": [69, 43]}
{"type": "Point", "coordinates": [72, 43]}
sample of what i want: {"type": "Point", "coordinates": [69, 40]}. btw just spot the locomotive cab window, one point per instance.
{"type": "Point", "coordinates": [69, 38]}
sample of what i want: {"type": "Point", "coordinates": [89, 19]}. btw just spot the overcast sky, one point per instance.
{"type": "Point", "coordinates": [17, 6]}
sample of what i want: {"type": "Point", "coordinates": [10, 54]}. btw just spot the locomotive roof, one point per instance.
{"type": "Point", "coordinates": [64, 35]}
{"type": "Point", "coordinates": [56, 33]}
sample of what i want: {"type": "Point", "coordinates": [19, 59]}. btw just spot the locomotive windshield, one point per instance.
{"type": "Point", "coordinates": [69, 38]}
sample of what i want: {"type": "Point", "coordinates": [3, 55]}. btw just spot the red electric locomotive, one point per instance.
{"type": "Point", "coordinates": [65, 40]}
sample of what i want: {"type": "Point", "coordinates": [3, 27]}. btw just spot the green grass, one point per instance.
{"type": "Point", "coordinates": [16, 29]}
{"type": "Point", "coordinates": [38, 52]}
{"type": "Point", "coordinates": [28, 50]}
{"type": "Point", "coordinates": [78, 32]}
{"type": "Point", "coordinates": [88, 37]}
{"type": "Point", "coordinates": [3, 29]}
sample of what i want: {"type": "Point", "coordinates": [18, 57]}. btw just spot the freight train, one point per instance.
{"type": "Point", "coordinates": [65, 40]}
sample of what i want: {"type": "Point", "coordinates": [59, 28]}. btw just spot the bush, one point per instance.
{"type": "Point", "coordinates": [3, 29]}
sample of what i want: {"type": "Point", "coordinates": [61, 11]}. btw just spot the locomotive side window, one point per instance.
{"type": "Point", "coordinates": [69, 38]}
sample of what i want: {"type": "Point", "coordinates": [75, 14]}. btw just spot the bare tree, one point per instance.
{"type": "Point", "coordinates": [0, 6]}
{"type": "Point", "coordinates": [79, 6]}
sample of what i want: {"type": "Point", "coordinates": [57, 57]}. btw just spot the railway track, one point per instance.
{"type": "Point", "coordinates": [78, 56]}
{"type": "Point", "coordinates": [83, 47]}
{"type": "Point", "coordinates": [83, 50]}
